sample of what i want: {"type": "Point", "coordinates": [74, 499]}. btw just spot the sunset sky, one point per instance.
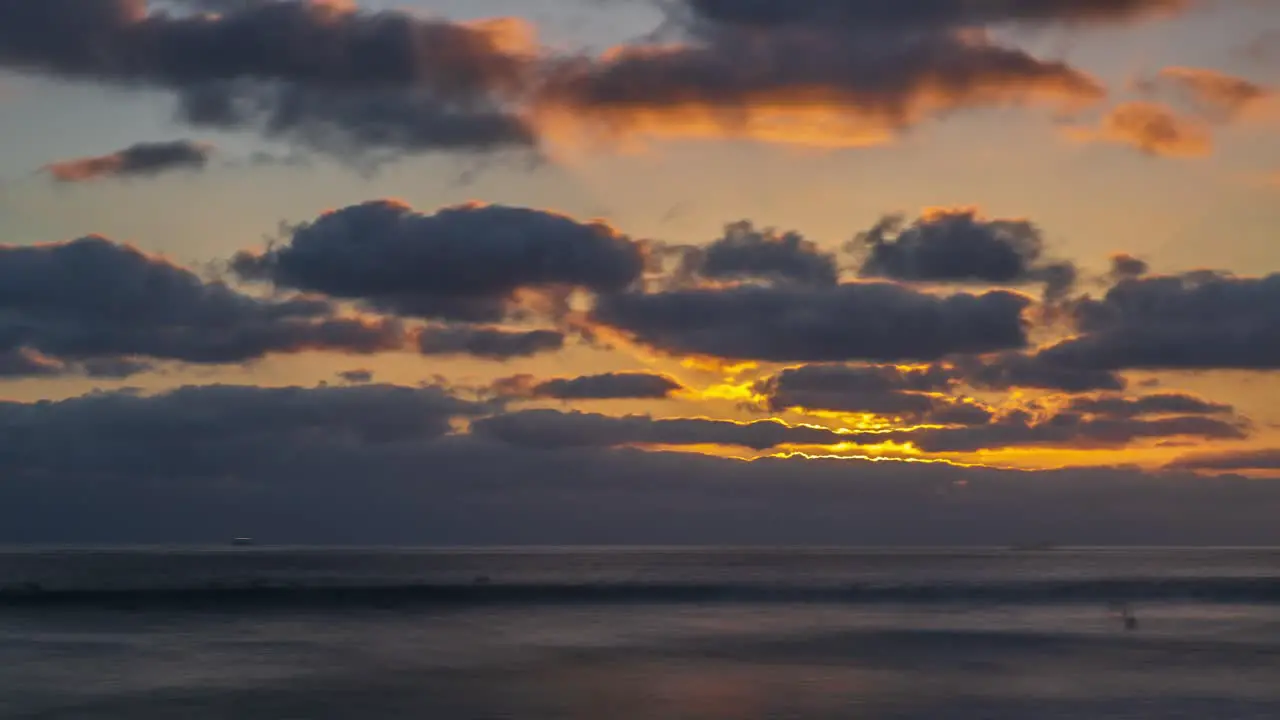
{"type": "Point", "coordinates": [658, 271]}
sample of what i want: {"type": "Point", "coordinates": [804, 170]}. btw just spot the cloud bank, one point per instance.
{"type": "Point", "coordinates": [374, 464]}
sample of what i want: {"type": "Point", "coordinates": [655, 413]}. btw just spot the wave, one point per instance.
{"type": "Point", "coordinates": [1201, 590]}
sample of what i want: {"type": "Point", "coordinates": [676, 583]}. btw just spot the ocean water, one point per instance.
{"type": "Point", "coordinates": [608, 634]}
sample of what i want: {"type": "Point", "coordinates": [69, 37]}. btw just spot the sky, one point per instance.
{"type": "Point", "coordinates": [640, 271]}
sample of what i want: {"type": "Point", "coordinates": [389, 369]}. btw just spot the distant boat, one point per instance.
{"type": "Point", "coordinates": [242, 541]}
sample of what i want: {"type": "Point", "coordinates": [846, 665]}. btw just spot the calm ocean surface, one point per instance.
{"type": "Point", "coordinates": [281, 633]}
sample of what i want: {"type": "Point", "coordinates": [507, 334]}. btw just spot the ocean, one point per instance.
{"type": "Point", "coordinates": [265, 633]}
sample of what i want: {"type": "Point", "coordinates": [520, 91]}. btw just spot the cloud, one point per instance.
{"type": "Point", "coordinates": [879, 322]}
{"type": "Point", "coordinates": [606, 386]}
{"type": "Point", "coordinates": [364, 84]}
{"type": "Point", "coordinates": [368, 85]}
{"type": "Point", "coordinates": [487, 343]}
{"type": "Point", "coordinates": [746, 253]}
{"type": "Point", "coordinates": [1199, 320]}
{"type": "Point", "coordinates": [462, 263]}
{"type": "Point", "coordinates": [895, 14]}
{"type": "Point", "coordinates": [1151, 128]}
{"type": "Point", "coordinates": [26, 363]}
{"type": "Point", "coordinates": [1156, 404]}
{"type": "Point", "coordinates": [1267, 460]}
{"type": "Point", "coordinates": [1010, 370]}
{"type": "Point", "coordinates": [96, 307]}
{"type": "Point", "coordinates": [353, 123]}
{"type": "Point", "coordinates": [1212, 94]}
{"type": "Point", "coordinates": [327, 74]}
{"type": "Point", "coordinates": [1066, 429]}
{"type": "Point", "coordinates": [357, 377]}
{"type": "Point", "coordinates": [924, 396]}
{"type": "Point", "coordinates": [1125, 266]}
{"type": "Point", "coordinates": [861, 380]}
{"type": "Point", "coordinates": [916, 395]}
{"type": "Point", "coordinates": [957, 245]}
{"type": "Point", "coordinates": [140, 160]}
{"type": "Point", "coordinates": [112, 368]}
{"type": "Point", "coordinates": [549, 429]}
{"type": "Point", "coordinates": [219, 429]}
{"type": "Point", "coordinates": [370, 465]}
{"type": "Point", "coordinates": [1264, 47]}
{"type": "Point", "coordinates": [809, 85]}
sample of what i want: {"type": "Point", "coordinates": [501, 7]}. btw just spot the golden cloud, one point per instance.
{"type": "Point", "coordinates": [1151, 128]}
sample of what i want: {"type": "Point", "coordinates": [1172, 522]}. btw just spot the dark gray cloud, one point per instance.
{"type": "Point", "coordinates": [916, 395]}
{"type": "Point", "coordinates": [487, 343]}
{"type": "Point", "coordinates": [1124, 265]}
{"type": "Point", "coordinates": [925, 13]}
{"type": "Point", "coordinates": [328, 75]}
{"type": "Point", "coordinates": [367, 465]}
{"type": "Point", "coordinates": [878, 322]}
{"type": "Point", "coordinates": [462, 263]}
{"type": "Point", "coordinates": [1200, 320]}
{"type": "Point", "coordinates": [358, 376]}
{"type": "Point", "coordinates": [216, 428]}
{"type": "Point", "coordinates": [1068, 429]}
{"type": "Point", "coordinates": [112, 368]}
{"type": "Point", "coordinates": [1266, 460]}
{"type": "Point", "coordinates": [607, 386]}
{"type": "Point", "coordinates": [96, 307]}
{"type": "Point", "coordinates": [815, 84]}
{"type": "Point", "coordinates": [1009, 370]}
{"type": "Point", "coordinates": [140, 160]}
{"type": "Point", "coordinates": [948, 246]}
{"type": "Point", "coordinates": [352, 122]}
{"type": "Point", "coordinates": [744, 252]}
{"type": "Point", "coordinates": [24, 363]}
{"type": "Point", "coordinates": [549, 429]}
{"type": "Point", "coordinates": [1156, 404]}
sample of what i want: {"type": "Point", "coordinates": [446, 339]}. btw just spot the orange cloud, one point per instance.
{"type": "Point", "coordinates": [1216, 95]}
{"type": "Point", "coordinates": [511, 36]}
{"type": "Point", "coordinates": [1153, 129]}
{"type": "Point", "coordinates": [82, 169]}
{"type": "Point", "coordinates": [799, 86]}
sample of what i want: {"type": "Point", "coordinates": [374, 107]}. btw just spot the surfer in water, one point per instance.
{"type": "Point", "coordinates": [1127, 616]}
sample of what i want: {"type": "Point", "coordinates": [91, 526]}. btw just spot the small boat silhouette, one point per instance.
{"type": "Point", "coordinates": [242, 541]}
